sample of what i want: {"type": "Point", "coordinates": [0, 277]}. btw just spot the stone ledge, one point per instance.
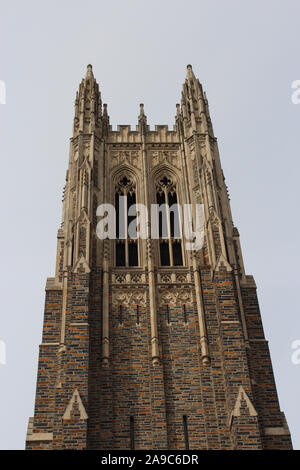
{"type": "Point", "coordinates": [40, 436]}
{"type": "Point", "coordinates": [280, 431]}
{"type": "Point", "coordinates": [51, 285]}
{"type": "Point", "coordinates": [37, 436]}
{"type": "Point", "coordinates": [248, 282]}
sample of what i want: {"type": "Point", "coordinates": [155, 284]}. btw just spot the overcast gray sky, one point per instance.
{"type": "Point", "coordinates": [246, 55]}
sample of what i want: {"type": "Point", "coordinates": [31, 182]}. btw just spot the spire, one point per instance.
{"type": "Point", "coordinates": [194, 105]}
{"type": "Point", "coordinates": [88, 105]}
{"type": "Point", "coordinates": [105, 121]}
{"type": "Point", "coordinates": [178, 119]}
{"type": "Point", "coordinates": [105, 114]}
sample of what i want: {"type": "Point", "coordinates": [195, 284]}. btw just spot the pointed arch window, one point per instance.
{"type": "Point", "coordinates": [170, 246]}
{"type": "Point", "coordinates": [126, 248]}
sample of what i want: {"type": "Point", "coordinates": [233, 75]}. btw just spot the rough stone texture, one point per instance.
{"type": "Point", "coordinates": [161, 347]}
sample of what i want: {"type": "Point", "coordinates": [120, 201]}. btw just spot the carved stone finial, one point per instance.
{"type": "Point", "coordinates": [89, 72]}
{"type": "Point", "coordinates": [142, 110]}
{"type": "Point", "coordinates": [190, 73]}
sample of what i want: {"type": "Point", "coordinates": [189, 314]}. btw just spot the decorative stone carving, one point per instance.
{"type": "Point", "coordinates": [120, 278]}
{"type": "Point", "coordinates": [128, 278]}
{"type": "Point", "coordinates": [119, 157]}
{"type": "Point", "coordinates": [175, 297]}
{"type": "Point", "coordinates": [180, 278]}
{"type": "Point", "coordinates": [165, 184]}
{"type": "Point", "coordinates": [136, 278]}
{"type": "Point", "coordinates": [198, 194]}
{"type": "Point", "coordinates": [165, 278]}
{"type": "Point", "coordinates": [125, 185]}
{"type": "Point", "coordinates": [168, 156]}
{"type": "Point", "coordinates": [129, 297]}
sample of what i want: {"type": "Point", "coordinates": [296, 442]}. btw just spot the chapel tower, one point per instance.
{"type": "Point", "coordinates": [147, 344]}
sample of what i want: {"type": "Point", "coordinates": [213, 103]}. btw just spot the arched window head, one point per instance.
{"type": "Point", "coordinates": [165, 184]}
{"type": "Point", "coordinates": [125, 197]}
{"type": "Point", "coordinates": [170, 245]}
{"type": "Point", "coordinates": [125, 186]}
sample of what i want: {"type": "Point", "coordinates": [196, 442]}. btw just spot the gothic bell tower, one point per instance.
{"type": "Point", "coordinates": [147, 344]}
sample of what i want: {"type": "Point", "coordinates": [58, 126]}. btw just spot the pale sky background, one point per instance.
{"type": "Point", "coordinates": [246, 55]}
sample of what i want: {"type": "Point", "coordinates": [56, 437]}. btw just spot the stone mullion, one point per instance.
{"type": "Point", "coordinates": [126, 228]}
{"type": "Point", "coordinates": [166, 193]}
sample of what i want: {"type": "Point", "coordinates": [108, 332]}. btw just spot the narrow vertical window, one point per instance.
{"type": "Point", "coordinates": [131, 433]}
{"type": "Point", "coordinates": [168, 313]}
{"type": "Point", "coordinates": [184, 314]}
{"type": "Point", "coordinates": [186, 435]}
{"type": "Point", "coordinates": [120, 314]}
{"type": "Point", "coordinates": [138, 314]}
{"type": "Point", "coordinates": [189, 109]}
{"type": "Point", "coordinates": [170, 245]}
{"type": "Point", "coordinates": [126, 248]}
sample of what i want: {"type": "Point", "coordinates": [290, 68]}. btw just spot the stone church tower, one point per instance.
{"type": "Point", "coordinates": [148, 345]}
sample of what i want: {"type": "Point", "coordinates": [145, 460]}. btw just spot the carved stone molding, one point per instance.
{"type": "Point", "coordinates": [174, 278]}
{"type": "Point", "coordinates": [128, 278]}
{"type": "Point", "coordinates": [181, 278]}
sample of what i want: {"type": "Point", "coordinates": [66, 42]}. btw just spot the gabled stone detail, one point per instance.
{"type": "Point", "coordinates": [82, 263]}
{"type": "Point", "coordinates": [83, 217]}
{"type": "Point", "coordinates": [222, 264]}
{"type": "Point", "coordinates": [243, 397]}
{"type": "Point", "coordinates": [74, 403]}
